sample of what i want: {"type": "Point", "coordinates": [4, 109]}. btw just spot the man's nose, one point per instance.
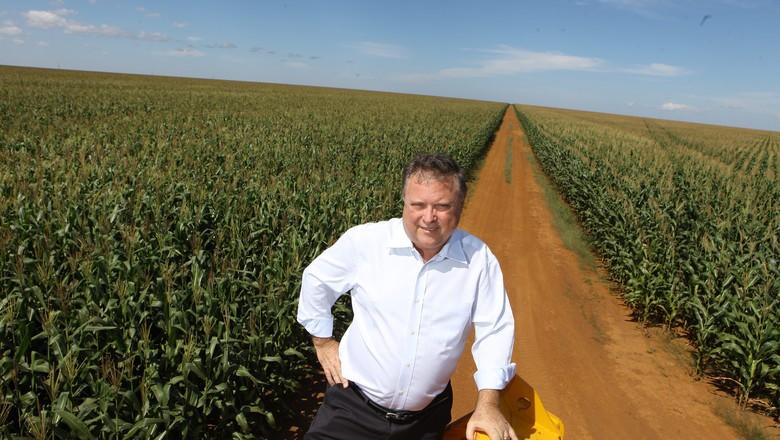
{"type": "Point", "coordinates": [429, 215]}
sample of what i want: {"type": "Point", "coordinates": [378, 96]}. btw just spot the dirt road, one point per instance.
{"type": "Point", "coordinates": [575, 342]}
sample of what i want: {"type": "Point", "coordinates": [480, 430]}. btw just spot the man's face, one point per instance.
{"type": "Point", "coordinates": [431, 212]}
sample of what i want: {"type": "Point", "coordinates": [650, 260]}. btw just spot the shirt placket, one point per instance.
{"type": "Point", "coordinates": [413, 336]}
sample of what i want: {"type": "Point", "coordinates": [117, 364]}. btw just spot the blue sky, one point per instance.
{"type": "Point", "coordinates": [708, 61]}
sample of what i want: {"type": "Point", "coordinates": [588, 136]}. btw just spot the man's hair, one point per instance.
{"type": "Point", "coordinates": [438, 166]}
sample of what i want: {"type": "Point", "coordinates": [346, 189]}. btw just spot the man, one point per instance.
{"type": "Point", "coordinates": [417, 285]}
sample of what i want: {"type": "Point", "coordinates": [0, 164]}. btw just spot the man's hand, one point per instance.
{"type": "Point", "coordinates": [328, 354]}
{"type": "Point", "coordinates": [487, 418]}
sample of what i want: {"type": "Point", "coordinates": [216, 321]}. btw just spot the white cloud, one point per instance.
{"type": "Point", "coordinates": [59, 19]}
{"type": "Point", "coordinates": [194, 39]}
{"type": "Point", "coordinates": [8, 28]}
{"type": "Point", "coordinates": [510, 60]}
{"type": "Point", "coordinates": [180, 24]}
{"type": "Point", "coordinates": [382, 50]}
{"type": "Point", "coordinates": [184, 52]}
{"type": "Point", "coordinates": [657, 69]}
{"type": "Point", "coordinates": [18, 41]}
{"type": "Point", "coordinates": [673, 106]}
{"type": "Point", "coordinates": [507, 60]}
{"type": "Point", "coordinates": [43, 44]}
{"type": "Point", "coordinates": [103, 29]}
{"type": "Point", "coordinates": [47, 19]}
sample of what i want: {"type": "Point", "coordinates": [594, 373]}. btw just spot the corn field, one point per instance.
{"type": "Point", "coordinates": [153, 232]}
{"type": "Point", "coordinates": [687, 219]}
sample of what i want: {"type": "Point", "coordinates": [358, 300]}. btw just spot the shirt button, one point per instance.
{"type": "Point", "coordinates": [412, 333]}
{"type": "Point", "coordinates": [408, 365]}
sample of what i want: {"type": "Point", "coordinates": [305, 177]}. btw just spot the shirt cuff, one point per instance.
{"type": "Point", "coordinates": [495, 379]}
{"type": "Point", "coordinates": [321, 328]}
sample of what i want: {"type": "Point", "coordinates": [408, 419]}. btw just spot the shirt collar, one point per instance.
{"type": "Point", "coordinates": [453, 249]}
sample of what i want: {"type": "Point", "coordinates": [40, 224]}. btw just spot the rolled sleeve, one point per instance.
{"type": "Point", "coordinates": [495, 379]}
{"type": "Point", "coordinates": [329, 276]}
{"type": "Point", "coordinates": [494, 331]}
{"type": "Point", "coordinates": [321, 328]}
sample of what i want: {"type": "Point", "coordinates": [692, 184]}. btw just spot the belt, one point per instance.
{"type": "Point", "coordinates": [402, 416]}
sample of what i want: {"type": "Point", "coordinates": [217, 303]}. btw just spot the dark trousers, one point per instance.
{"type": "Point", "coordinates": [346, 415]}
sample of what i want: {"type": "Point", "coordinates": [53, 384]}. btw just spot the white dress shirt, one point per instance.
{"type": "Point", "coordinates": [411, 318]}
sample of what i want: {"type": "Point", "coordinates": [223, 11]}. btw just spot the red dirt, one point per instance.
{"type": "Point", "coordinates": [576, 343]}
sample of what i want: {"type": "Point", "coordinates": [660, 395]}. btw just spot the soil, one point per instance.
{"type": "Point", "coordinates": [576, 343]}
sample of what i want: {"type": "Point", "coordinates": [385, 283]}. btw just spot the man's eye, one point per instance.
{"type": "Point", "coordinates": [442, 207]}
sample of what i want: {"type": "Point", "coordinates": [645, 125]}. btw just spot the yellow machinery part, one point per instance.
{"type": "Point", "coordinates": [524, 410]}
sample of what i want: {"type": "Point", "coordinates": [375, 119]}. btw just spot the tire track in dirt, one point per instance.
{"type": "Point", "coordinates": [575, 342]}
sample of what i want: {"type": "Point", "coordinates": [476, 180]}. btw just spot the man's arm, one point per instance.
{"type": "Point", "coordinates": [327, 277]}
{"type": "Point", "coordinates": [494, 332]}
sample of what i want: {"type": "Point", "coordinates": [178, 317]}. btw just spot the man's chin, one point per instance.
{"type": "Point", "coordinates": [428, 243]}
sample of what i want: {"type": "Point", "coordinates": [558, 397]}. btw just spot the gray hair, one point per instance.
{"type": "Point", "coordinates": [437, 166]}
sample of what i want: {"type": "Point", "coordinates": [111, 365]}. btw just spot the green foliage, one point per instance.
{"type": "Point", "coordinates": [153, 232]}
{"type": "Point", "coordinates": [687, 219]}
